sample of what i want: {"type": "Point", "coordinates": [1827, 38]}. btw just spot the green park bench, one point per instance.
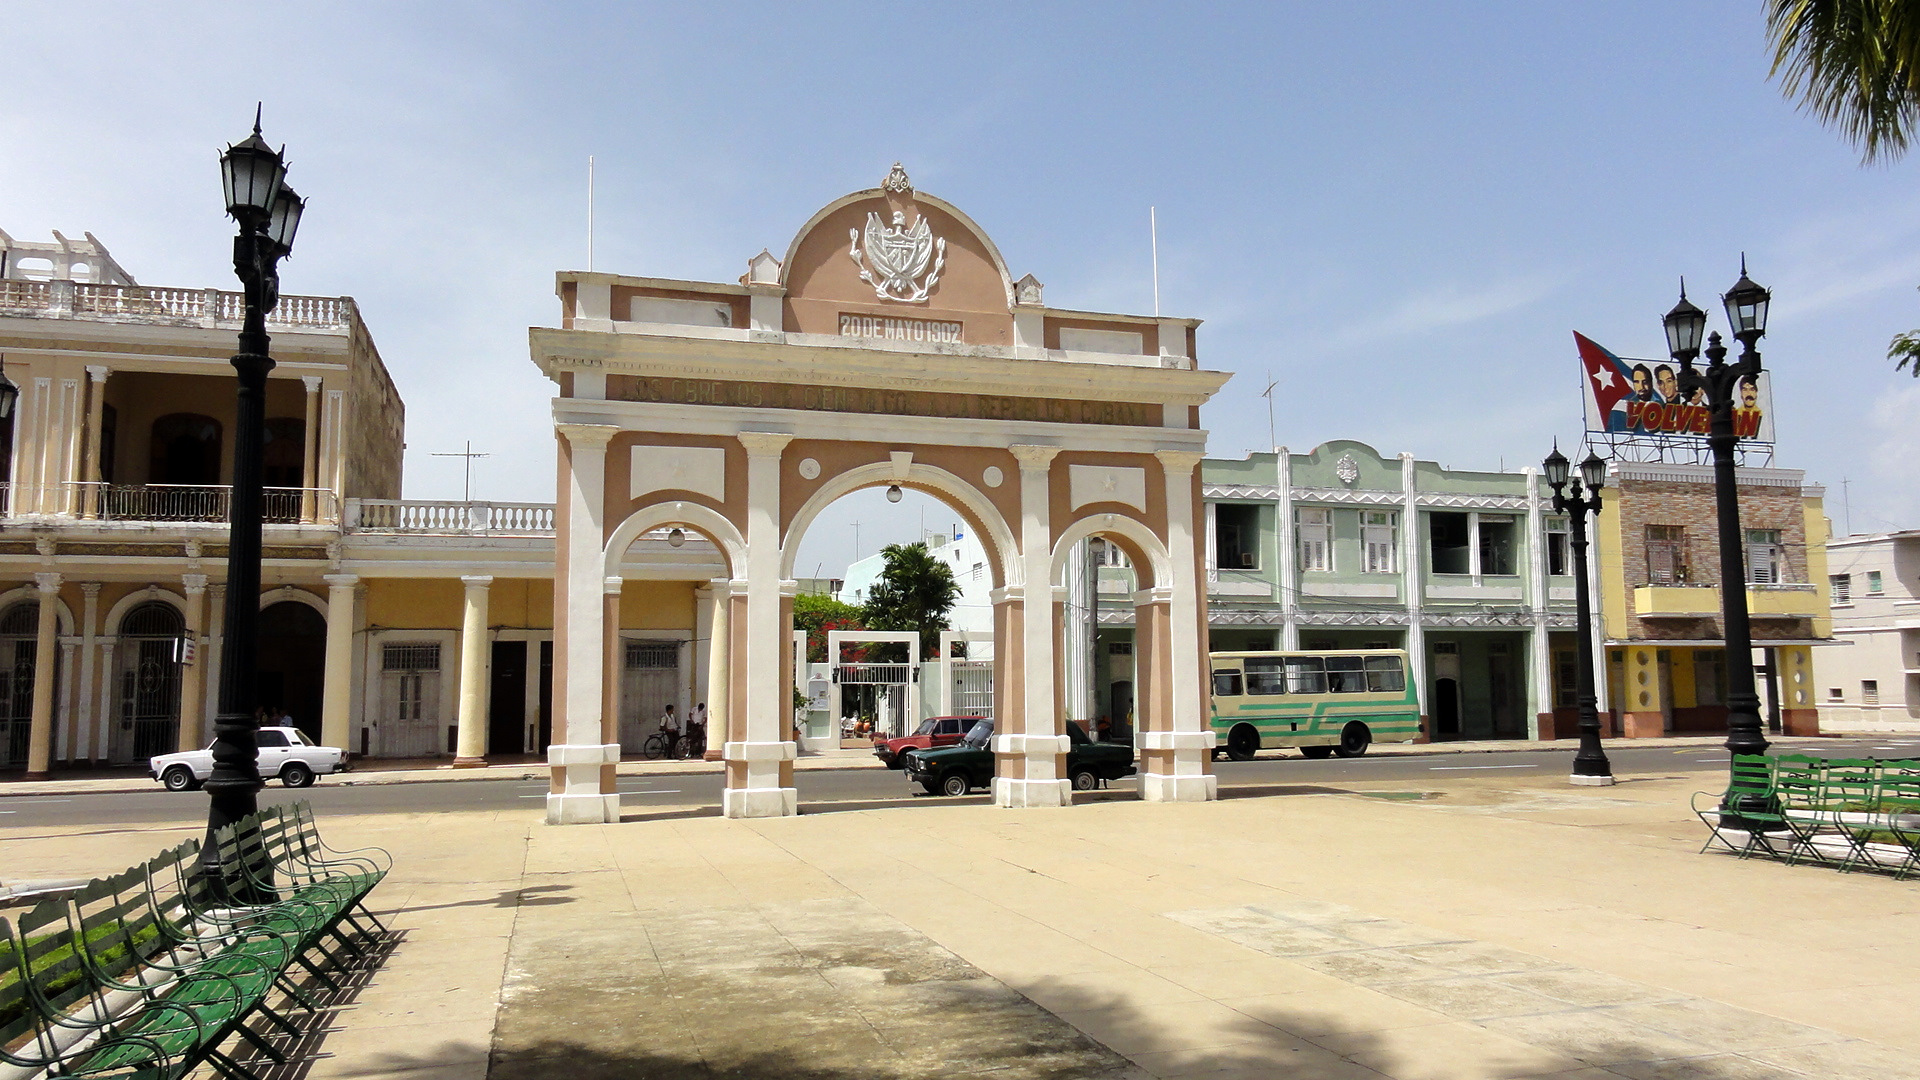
{"type": "Point", "coordinates": [149, 973]}
{"type": "Point", "coordinates": [1849, 813]}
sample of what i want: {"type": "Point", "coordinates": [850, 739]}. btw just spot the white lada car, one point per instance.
{"type": "Point", "coordinates": [284, 753]}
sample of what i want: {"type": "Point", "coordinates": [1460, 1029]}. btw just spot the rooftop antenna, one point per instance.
{"type": "Point", "coordinates": [1846, 502]}
{"type": "Point", "coordinates": [856, 541]}
{"type": "Point", "coordinates": [469, 455]}
{"type": "Point", "coordinates": [589, 213]}
{"type": "Point", "coordinates": [1273, 441]}
{"type": "Point", "coordinates": [1153, 232]}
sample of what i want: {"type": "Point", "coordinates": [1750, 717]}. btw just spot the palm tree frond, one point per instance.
{"type": "Point", "coordinates": [1853, 64]}
{"type": "Point", "coordinates": [1904, 351]}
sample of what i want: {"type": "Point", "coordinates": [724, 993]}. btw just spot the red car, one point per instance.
{"type": "Point", "coordinates": [934, 731]}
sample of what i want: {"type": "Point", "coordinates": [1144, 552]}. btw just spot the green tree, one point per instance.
{"type": "Point", "coordinates": [1854, 64]}
{"type": "Point", "coordinates": [820, 615]}
{"type": "Point", "coordinates": [915, 592]}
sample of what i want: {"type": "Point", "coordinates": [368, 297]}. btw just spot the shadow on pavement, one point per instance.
{"type": "Point", "coordinates": [531, 896]}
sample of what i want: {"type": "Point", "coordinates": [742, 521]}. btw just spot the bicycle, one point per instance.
{"type": "Point", "coordinates": [655, 745]}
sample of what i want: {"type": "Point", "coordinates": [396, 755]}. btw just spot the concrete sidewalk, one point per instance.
{"type": "Point", "coordinates": [438, 770]}
{"type": "Point", "coordinates": [1493, 928]}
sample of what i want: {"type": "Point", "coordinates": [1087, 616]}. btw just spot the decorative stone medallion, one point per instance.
{"type": "Point", "coordinates": [1347, 469]}
{"type": "Point", "coordinates": [993, 477]}
{"type": "Point", "coordinates": [809, 469]}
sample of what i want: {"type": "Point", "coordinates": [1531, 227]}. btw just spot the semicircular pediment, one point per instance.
{"type": "Point", "coordinates": [891, 252]}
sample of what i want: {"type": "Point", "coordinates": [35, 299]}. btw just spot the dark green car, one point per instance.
{"type": "Point", "coordinates": [958, 769]}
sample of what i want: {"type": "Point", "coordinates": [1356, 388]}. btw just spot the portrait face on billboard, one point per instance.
{"type": "Point", "coordinates": [1749, 392]}
{"type": "Point", "coordinates": [1667, 382]}
{"type": "Point", "coordinates": [1642, 383]}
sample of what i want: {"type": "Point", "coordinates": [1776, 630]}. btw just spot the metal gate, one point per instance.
{"type": "Point", "coordinates": [149, 662]}
{"type": "Point", "coordinates": [16, 699]}
{"type": "Point", "coordinates": [649, 682]}
{"type": "Point", "coordinates": [876, 693]}
{"type": "Point", "coordinates": [970, 687]}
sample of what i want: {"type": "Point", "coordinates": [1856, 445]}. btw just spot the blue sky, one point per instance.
{"type": "Point", "coordinates": [1400, 211]}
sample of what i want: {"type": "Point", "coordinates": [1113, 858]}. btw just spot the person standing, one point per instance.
{"type": "Point", "coordinates": [670, 727]}
{"type": "Point", "coordinates": [697, 730]}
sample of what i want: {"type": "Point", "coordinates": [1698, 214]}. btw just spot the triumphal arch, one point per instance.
{"type": "Point", "coordinates": [890, 346]}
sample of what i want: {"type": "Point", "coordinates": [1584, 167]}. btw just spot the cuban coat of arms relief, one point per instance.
{"type": "Point", "coordinates": [902, 262]}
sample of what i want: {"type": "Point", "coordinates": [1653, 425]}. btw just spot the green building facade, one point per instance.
{"type": "Point", "coordinates": [1345, 548]}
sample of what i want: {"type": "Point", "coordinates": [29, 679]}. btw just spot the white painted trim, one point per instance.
{"type": "Point", "coordinates": [934, 481]}
{"type": "Point", "coordinates": [704, 520]}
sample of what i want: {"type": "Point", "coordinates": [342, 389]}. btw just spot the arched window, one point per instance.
{"type": "Point", "coordinates": [149, 681]}
{"type": "Point", "coordinates": [19, 626]}
{"type": "Point", "coordinates": [185, 450]}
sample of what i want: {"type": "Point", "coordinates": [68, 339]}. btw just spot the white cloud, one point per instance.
{"type": "Point", "coordinates": [1446, 306]}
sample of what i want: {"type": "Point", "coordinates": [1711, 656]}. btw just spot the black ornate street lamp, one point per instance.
{"type": "Point", "coordinates": [1590, 764]}
{"type": "Point", "coordinates": [253, 176]}
{"type": "Point", "coordinates": [1746, 305]}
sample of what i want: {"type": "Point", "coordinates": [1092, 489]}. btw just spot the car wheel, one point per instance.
{"type": "Point", "coordinates": [178, 778]}
{"type": "Point", "coordinates": [1084, 780]}
{"type": "Point", "coordinates": [897, 761]}
{"type": "Point", "coordinates": [1317, 751]}
{"type": "Point", "coordinates": [1354, 739]}
{"type": "Point", "coordinates": [296, 775]}
{"type": "Point", "coordinates": [1242, 743]}
{"type": "Point", "coordinates": [955, 783]}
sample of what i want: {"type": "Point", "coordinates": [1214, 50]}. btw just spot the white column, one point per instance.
{"type": "Point", "coordinates": [720, 666]}
{"type": "Point", "coordinates": [1413, 575]}
{"type": "Point", "coordinates": [471, 743]}
{"type": "Point", "coordinates": [1289, 553]}
{"type": "Point", "coordinates": [1539, 654]}
{"type": "Point", "coordinates": [40, 733]}
{"type": "Point", "coordinates": [1187, 777]}
{"type": "Point", "coordinates": [759, 767]}
{"type": "Point", "coordinates": [701, 677]}
{"type": "Point", "coordinates": [95, 469]}
{"type": "Point", "coordinates": [578, 795]}
{"type": "Point", "coordinates": [193, 681]}
{"type": "Point", "coordinates": [336, 693]}
{"type": "Point", "coordinates": [216, 636]}
{"type": "Point", "coordinates": [1035, 746]}
{"type": "Point", "coordinates": [800, 684]}
{"type": "Point", "coordinates": [89, 631]}
{"type": "Point", "coordinates": [333, 466]}
{"type": "Point", "coordinates": [63, 724]}
{"type": "Point", "coordinates": [309, 444]}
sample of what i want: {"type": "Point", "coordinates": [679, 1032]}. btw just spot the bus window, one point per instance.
{"type": "Point", "coordinates": [1306, 675]}
{"type": "Point", "coordinates": [1384, 675]}
{"type": "Point", "coordinates": [1345, 675]}
{"type": "Point", "coordinates": [1226, 684]}
{"type": "Point", "coordinates": [1266, 677]}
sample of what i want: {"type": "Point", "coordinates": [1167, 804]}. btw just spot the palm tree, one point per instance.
{"type": "Point", "coordinates": [1854, 64]}
{"type": "Point", "coordinates": [915, 592]}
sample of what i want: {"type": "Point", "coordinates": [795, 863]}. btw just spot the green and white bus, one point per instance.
{"type": "Point", "coordinates": [1332, 702]}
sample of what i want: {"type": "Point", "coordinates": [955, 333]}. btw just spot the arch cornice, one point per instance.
{"type": "Point", "coordinates": [1129, 529]}
{"type": "Point", "coordinates": [295, 594]}
{"type": "Point", "coordinates": [111, 624]}
{"type": "Point", "coordinates": [704, 520]}
{"type": "Point", "coordinates": [63, 616]}
{"type": "Point", "coordinates": [929, 478]}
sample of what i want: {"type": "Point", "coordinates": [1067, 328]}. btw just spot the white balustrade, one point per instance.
{"type": "Point", "coordinates": [449, 517]}
{"type": "Point", "coordinates": [205, 307]}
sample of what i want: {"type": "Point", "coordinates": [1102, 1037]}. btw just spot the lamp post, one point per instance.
{"type": "Point", "coordinates": [253, 175]}
{"type": "Point", "coordinates": [1576, 497]}
{"type": "Point", "coordinates": [1746, 306]}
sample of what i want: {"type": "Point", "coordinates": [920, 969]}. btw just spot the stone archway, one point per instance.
{"type": "Point", "coordinates": [891, 347]}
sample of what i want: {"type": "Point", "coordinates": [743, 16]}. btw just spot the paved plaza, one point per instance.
{"type": "Point", "coordinates": [1486, 927]}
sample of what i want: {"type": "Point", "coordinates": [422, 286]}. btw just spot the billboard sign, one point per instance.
{"type": "Point", "coordinates": [1625, 396]}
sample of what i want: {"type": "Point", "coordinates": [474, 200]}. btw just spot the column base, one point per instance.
{"type": "Point", "coordinates": [1155, 787]}
{"type": "Point", "coordinates": [37, 776]}
{"type": "Point", "coordinates": [1030, 794]}
{"type": "Point", "coordinates": [760, 802]}
{"type": "Point", "coordinates": [469, 763]}
{"type": "Point", "coordinates": [582, 809]}
{"type": "Point", "coordinates": [1590, 781]}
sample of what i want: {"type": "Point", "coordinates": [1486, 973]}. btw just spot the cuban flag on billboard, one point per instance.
{"type": "Point", "coordinates": [1609, 385]}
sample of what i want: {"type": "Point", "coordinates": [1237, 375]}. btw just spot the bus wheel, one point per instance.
{"type": "Point", "coordinates": [1317, 751]}
{"type": "Point", "coordinates": [1354, 739]}
{"type": "Point", "coordinates": [1242, 743]}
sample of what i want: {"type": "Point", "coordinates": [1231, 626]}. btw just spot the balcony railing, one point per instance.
{"type": "Point", "coordinates": [144, 303]}
{"type": "Point", "coordinates": [160, 503]}
{"type": "Point", "coordinates": [449, 518]}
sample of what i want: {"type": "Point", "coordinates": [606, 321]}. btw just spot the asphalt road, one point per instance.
{"type": "Point", "coordinates": [696, 794]}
